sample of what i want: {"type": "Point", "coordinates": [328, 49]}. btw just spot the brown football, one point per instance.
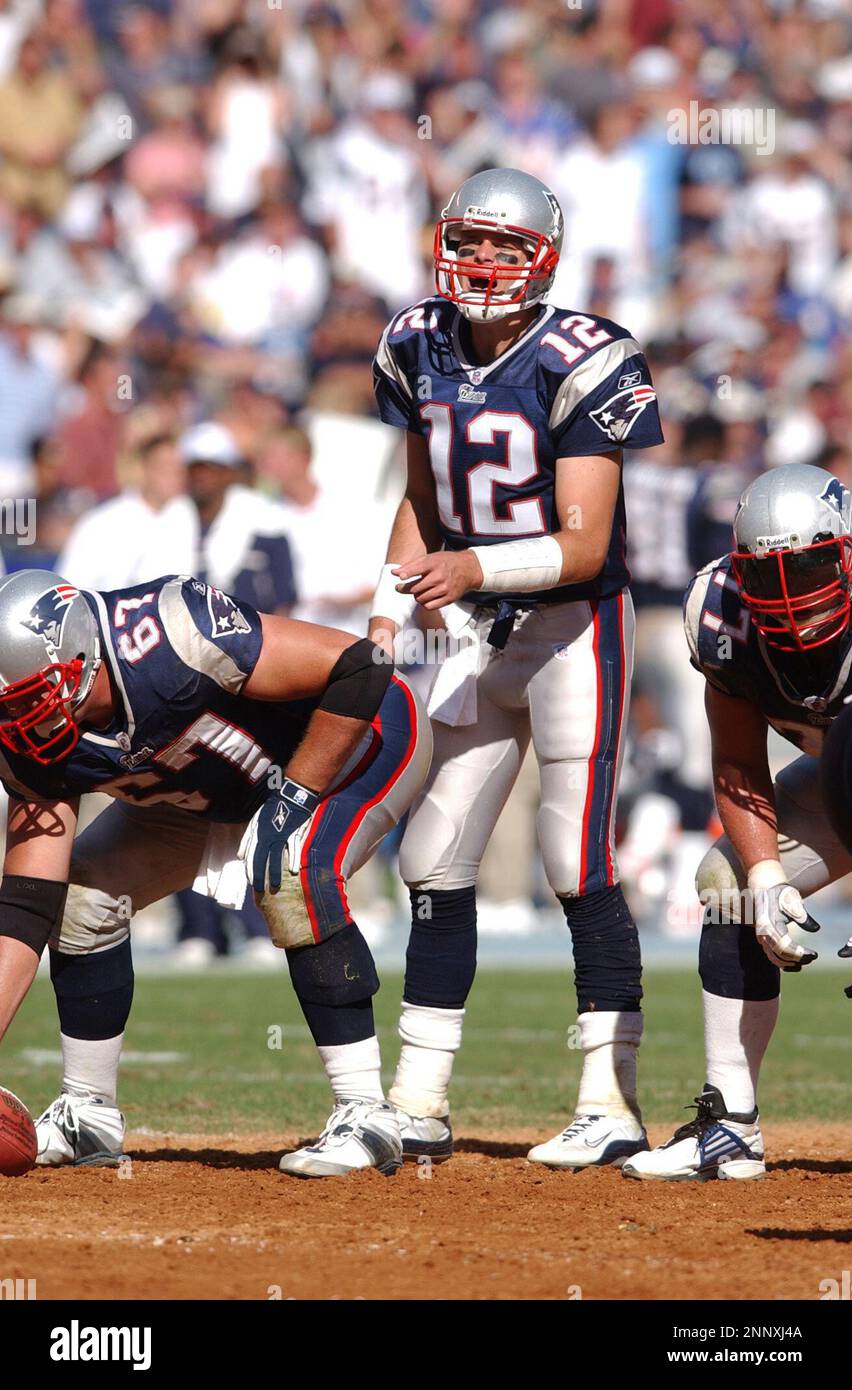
{"type": "Point", "coordinates": [18, 1143]}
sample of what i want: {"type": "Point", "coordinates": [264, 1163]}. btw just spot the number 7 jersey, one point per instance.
{"type": "Point", "coordinates": [573, 384]}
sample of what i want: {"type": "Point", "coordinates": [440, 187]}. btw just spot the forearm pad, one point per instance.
{"type": "Point", "coordinates": [30, 908]}
{"type": "Point", "coordinates": [358, 681]}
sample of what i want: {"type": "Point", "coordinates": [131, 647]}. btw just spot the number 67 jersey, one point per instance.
{"type": "Point", "coordinates": [573, 384]}
{"type": "Point", "coordinates": [178, 653]}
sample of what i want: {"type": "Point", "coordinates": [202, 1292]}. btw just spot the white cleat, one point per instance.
{"type": "Point", "coordinates": [425, 1137]}
{"type": "Point", "coordinates": [716, 1144]}
{"type": "Point", "coordinates": [82, 1131]}
{"type": "Point", "coordinates": [592, 1141]}
{"type": "Point", "coordinates": [359, 1134]}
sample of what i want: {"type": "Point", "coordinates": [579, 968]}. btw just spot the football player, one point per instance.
{"type": "Point", "coordinates": [222, 734]}
{"type": "Point", "coordinates": [768, 626]}
{"type": "Point", "coordinates": [512, 524]}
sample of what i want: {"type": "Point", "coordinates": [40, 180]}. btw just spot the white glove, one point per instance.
{"type": "Point", "coordinates": [776, 904]}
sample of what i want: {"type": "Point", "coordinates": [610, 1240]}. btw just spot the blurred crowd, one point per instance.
{"type": "Point", "coordinates": [210, 208]}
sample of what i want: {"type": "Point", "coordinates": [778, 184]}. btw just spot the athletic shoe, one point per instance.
{"type": "Point", "coordinates": [80, 1130]}
{"type": "Point", "coordinates": [359, 1134]}
{"type": "Point", "coordinates": [424, 1137]}
{"type": "Point", "coordinates": [716, 1144]}
{"type": "Point", "coordinates": [591, 1141]}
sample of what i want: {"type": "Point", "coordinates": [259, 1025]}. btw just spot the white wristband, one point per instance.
{"type": "Point", "coordinates": [767, 873]}
{"type": "Point", "coordinates": [519, 566]}
{"type": "Point", "coordinates": [387, 603]}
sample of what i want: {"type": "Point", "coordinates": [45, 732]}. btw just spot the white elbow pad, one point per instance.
{"type": "Point", "coordinates": [387, 603]}
{"type": "Point", "coordinates": [520, 566]}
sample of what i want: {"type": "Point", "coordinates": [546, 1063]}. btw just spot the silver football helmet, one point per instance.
{"type": "Point", "coordinates": [49, 657]}
{"type": "Point", "coordinates": [514, 204]}
{"type": "Point", "coordinates": [793, 557]}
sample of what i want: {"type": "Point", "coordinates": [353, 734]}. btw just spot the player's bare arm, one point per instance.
{"type": "Point", "coordinates": [39, 837]}
{"type": "Point", "coordinates": [742, 780]}
{"type": "Point", "coordinates": [303, 660]}
{"type": "Point", "coordinates": [586, 494]}
{"type": "Point", "coordinates": [746, 803]}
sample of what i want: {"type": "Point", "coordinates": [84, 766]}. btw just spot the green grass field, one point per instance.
{"type": "Point", "coordinates": [216, 1071]}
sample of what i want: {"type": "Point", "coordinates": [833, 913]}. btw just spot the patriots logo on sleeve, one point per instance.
{"type": "Point", "coordinates": [617, 416]}
{"type": "Point", "coordinates": [225, 617]}
{"type": "Point", "coordinates": [48, 613]}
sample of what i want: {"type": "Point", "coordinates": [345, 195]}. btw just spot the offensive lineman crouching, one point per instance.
{"type": "Point", "coordinates": [769, 628]}
{"type": "Point", "coordinates": [183, 706]}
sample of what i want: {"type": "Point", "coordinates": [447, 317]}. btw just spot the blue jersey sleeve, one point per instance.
{"type": "Point", "coordinates": [211, 632]}
{"type": "Point", "coordinates": [402, 376]}
{"type": "Point", "coordinates": [608, 401]}
{"type": "Point", "coordinates": [718, 631]}
{"type": "Point", "coordinates": [393, 390]}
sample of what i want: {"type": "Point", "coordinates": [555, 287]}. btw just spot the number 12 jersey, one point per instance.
{"type": "Point", "coordinates": [572, 385]}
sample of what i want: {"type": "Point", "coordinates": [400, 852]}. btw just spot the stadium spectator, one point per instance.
{"type": "Point", "coordinates": [142, 533]}
{"type": "Point", "coordinates": [41, 113]}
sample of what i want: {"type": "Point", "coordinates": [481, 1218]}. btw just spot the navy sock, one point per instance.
{"type": "Point", "coordinates": [733, 964]}
{"type": "Point", "coordinates": [94, 992]}
{"type": "Point", "coordinates": [335, 982]}
{"type": "Point", "coordinates": [607, 959]}
{"type": "Point", "coordinates": [440, 962]}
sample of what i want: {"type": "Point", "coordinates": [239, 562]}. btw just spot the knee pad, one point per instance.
{"type": "Point", "coordinates": [440, 962]}
{"type": "Point", "coordinates": [338, 971]}
{"type": "Point", "coordinates": [732, 962]}
{"type": "Point", "coordinates": [607, 958]}
{"type": "Point", "coordinates": [93, 921]}
{"type": "Point", "coordinates": [717, 885]}
{"type": "Point", "coordinates": [94, 991]}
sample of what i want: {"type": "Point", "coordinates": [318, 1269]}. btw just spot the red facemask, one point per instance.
{"type": "Point", "coordinates": [492, 281]}
{"type": "Point", "coordinates": [798, 599]}
{"type": "Point", "coordinates": [42, 696]}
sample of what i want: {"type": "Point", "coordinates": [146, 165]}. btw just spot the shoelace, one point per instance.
{"type": "Point", "coordinates": [695, 1127]}
{"type": "Point", "coordinates": [578, 1125]}
{"type": "Point", "coordinates": [341, 1114]}
{"type": "Point", "coordinates": [63, 1116]}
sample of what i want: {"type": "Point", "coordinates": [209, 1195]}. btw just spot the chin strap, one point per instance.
{"type": "Point", "coordinates": [96, 666]}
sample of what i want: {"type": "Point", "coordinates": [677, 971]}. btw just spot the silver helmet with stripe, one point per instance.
{"type": "Point", "coordinates": [49, 657]}
{"type": "Point", "coordinates": [517, 208]}
{"type": "Point", "coordinates": [793, 556]}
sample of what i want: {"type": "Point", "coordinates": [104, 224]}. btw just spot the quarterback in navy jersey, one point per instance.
{"type": "Point", "coordinates": [512, 525]}
{"type": "Point", "coordinates": [768, 626]}
{"type": "Point", "coordinates": [240, 749]}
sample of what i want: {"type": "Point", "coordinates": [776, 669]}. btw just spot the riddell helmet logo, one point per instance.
{"type": "Point", "coordinates": [475, 214]}
{"type": "Point", "coordinates": [48, 613]}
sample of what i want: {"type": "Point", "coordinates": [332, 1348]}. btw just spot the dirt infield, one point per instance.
{"type": "Point", "coordinates": [212, 1218]}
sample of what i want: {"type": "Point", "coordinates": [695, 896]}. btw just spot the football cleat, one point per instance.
{"type": "Point", "coordinates": [359, 1134]}
{"type": "Point", "coordinates": [82, 1131]}
{"type": "Point", "coordinates": [716, 1144]}
{"type": "Point", "coordinates": [592, 1141]}
{"type": "Point", "coordinates": [424, 1137]}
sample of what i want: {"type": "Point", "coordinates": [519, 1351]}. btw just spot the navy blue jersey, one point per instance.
{"type": "Point", "coordinates": [573, 384]}
{"type": "Point", "coordinates": [179, 653]}
{"type": "Point", "coordinates": [726, 647]}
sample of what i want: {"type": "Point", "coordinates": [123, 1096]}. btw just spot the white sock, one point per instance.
{"type": "Point", "coordinates": [736, 1036]}
{"type": "Point", "coordinates": [430, 1040]}
{"type": "Point", "coordinates": [90, 1068]}
{"type": "Point", "coordinates": [610, 1041]}
{"type": "Point", "coordinates": [354, 1069]}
